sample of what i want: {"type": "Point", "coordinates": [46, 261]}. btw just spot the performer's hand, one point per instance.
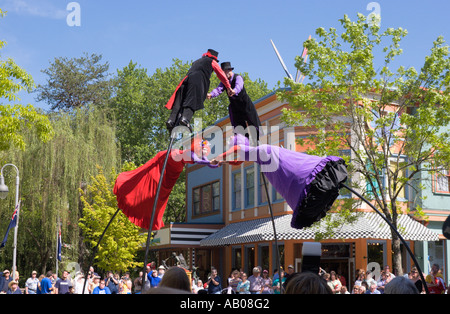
{"type": "Point", "coordinates": [214, 162]}
{"type": "Point", "coordinates": [208, 96]}
{"type": "Point", "coordinates": [231, 92]}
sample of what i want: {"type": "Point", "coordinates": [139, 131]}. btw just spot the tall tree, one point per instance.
{"type": "Point", "coordinates": [123, 239]}
{"type": "Point", "coordinates": [75, 83]}
{"type": "Point", "coordinates": [395, 122]}
{"type": "Point", "coordinates": [51, 175]}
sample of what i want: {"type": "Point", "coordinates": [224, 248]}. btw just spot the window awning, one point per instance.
{"type": "Point", "coordinates": [368, 225]}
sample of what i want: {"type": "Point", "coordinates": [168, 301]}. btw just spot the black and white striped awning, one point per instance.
{"type": "Point", "coordinates": [189, 236]}
{"type": "Point", "coordinates": [368, 225]}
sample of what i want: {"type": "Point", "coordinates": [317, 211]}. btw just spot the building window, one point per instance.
{"type": "Point", "coordinates": [206, 199]}
{"type": "Point", "coordinates": [249, 187]}
{"type": "Point", "coordinates": [442, 180]}
{"type": "Point", "coordinates": [236, 190]}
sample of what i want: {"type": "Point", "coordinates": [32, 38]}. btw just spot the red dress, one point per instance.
{"type": "Point", "coordinates": [136, 189]}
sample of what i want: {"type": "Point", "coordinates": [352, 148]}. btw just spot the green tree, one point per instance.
{"type": "Point", "coordinates": [75, 83]}
{"type": "Point", "coordinates": [122, 239]}
{"type": "Point", "coordinates": [395, 122]}
{"type": "Point", "coordinates": [51, 174]}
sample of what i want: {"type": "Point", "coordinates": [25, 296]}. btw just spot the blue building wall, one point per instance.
{"type": "Point", "coordinates": [200, 177]}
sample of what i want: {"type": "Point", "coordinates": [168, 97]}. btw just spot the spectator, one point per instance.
{"type": "Point", "coordinates": [276, 283]}
{"type": "Point", "coordinates": [363, 289]}
{"type": "Point", "coordinates": [435, 282]}
{"type": "Point", "coordinates": [344, 290]}
{"type": "Point", "coordinates": [234, 281]}
{"type": "Point", "coordinates": [161, 271]}
{"type": "Point", "coordinates": [400, 285]}
{"type": "Point", "coordinates": [389, 275]}
{"type": "Point", "coordinates": [46, 283]}
{"type": "Point", "coordinates": [94, 283]}
{"type": "Point", "coordinates": [415, 278]}
{"type": "Point", "coordinates": [101, 288]}
{"type": "Point", "coordinates": [356, 289]}
{"type": "Point", "coordinates": [79, 284]}
{"type": "Point", "coordinates": [266, 283]}
{"type": "Point", "coordinates": [214, 283]}
{"type": "Point", "coordinates": [148, 272]}
{"type": "Point", "coordinates": [31, 285]}
{"type": "Point", "coordinates": [256, 282]}
{"type": "Point", "coordinates": [307, 283]}
{"type": "Point", "coordinates": [111, 283]}
{"type": "Point", "coordinates": [370, 279]}
{"type": "Point", "coordinates": [381, 284]}
{"type": "Point", "coordinates": [4, 281]}
{"type": "Point", "coordinates": [153, 278]}
{"type": "Point", "coordinates": [38, 291]}
{"type": "Point", "coordinates": [360, 277]}
{"type": "Point", "coordinates": [127, 280]}
{"type": "Point", "coordinates": [290, 272]}
{"type": "Point", "coordinates": [373, 289]}
{"type": "Point", "coordinates": [197, 287]}
{"type": "Point", "coordinates": [243, 286]}
{"type": "Point", "coordinates": [13, 288]}
{"type": "Point", "coordinates": [176, 278]}
{"type": "Point", "coordinates": [138, 283]}
{"type": "Point", "coordinates": [334, 283]}
{"type": "Point", "coordinates": [63, 284]}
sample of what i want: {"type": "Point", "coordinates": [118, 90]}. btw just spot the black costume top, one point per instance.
{"type": "Point", "coordinates": [193, 89]}
{"type": "Point", "coordinates": [242, 110]}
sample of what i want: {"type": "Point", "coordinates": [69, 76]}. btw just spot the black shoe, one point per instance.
{"type": "Point", "coordinates": [170, 125]}
{"type": "Point", "coordinates": [185, 122]}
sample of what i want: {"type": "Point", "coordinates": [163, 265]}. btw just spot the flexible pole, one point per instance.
{"type": "Point", "coordinates": [277, 250]}
{"type": "Point", "coordinates": [396, 232]}
{"type": "Point", "coordinates": [147, 245]}
{"type": "Point", "coordinates": [96, 247]}
{"type": "Point", "coordinates": [274, 233]}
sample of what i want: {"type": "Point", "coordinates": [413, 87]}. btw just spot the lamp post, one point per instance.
{"type": "Point", "coordinates": [3, 193]}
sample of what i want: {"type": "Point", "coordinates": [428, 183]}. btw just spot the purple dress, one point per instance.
{"type": "Point", "coordinates": [308, 183]}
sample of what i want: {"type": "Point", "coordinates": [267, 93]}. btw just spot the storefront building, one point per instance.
{"type": "Point", "coordinates": [232, 200]}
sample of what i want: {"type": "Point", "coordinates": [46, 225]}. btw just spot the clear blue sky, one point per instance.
{"type": "Point", "coordinates": [152, 33]}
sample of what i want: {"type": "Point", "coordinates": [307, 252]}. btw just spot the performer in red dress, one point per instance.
{"type": "Point", "coordinates": [136, 189]}
{"type": "Point", "coordinates": [191, 92]}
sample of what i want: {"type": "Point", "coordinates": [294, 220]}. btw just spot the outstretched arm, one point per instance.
{"type": "Point", "coordinates": [221, 159]}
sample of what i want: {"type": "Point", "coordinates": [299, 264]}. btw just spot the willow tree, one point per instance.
{"type": "Point", "coordinates": [394, 121]}
{"type": "Point", "coordinates": [51, 175]}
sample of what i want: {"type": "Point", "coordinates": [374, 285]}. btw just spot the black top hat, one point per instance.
{"type": "Point", "coordinates": [226, 66]}
{"type": "Point", "coordinates": [213, 52]}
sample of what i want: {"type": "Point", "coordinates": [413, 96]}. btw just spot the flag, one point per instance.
{"type": "Point", "coordinates": [59, 244]}
{"type": "Point", "coordinates": [11, 225]}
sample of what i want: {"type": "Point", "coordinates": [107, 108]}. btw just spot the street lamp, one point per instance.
{"type": "Point", "coordinates": [3, 193]}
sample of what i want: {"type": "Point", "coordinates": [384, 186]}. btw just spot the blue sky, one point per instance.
{"type": "Point", "coordinates": [152, 33]}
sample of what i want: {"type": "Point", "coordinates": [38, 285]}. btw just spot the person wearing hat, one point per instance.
{"type": "Point", "coordinates": [191, 92]}
{"type": "Point", "coordinates": [241, 108]}
{"type": "Point", "coordinates": [161, 271]}
{"type": "Point", "coordinates": [31, 284]}
{"type": "Point", "coordinates": [4, 281]}
{"type": "Point", "coordinates": [13, 288]}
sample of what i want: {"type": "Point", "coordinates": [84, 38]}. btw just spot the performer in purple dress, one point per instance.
{"type": "Point", "coordinates": [241, 108]}
{"type": "Point", "coordinates": [309, 184]}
